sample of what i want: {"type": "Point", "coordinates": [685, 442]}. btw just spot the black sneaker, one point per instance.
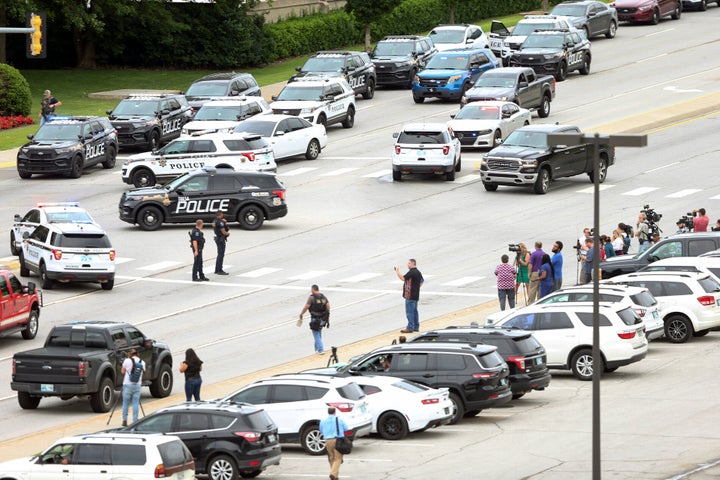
{"type": "Point", "coordinates": [124, 424]}
{"type": "Point", "coordinates": [197, 280]}
{"type": "Point", "coordinates": [205, 279]}
{"type": "Point", "coordinates": [221, 273]}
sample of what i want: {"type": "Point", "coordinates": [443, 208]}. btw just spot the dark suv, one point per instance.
{"type": "Point", "coordinates": [149, 120]}
{"type": "Point", "coordinates": [355, 67]}
{"type": "Point", "coordinates": [475, 375]}
{"type": "Point", "coordinates": [398, 58]}
{"type": "Point", "coordinates": [554, 52]}
{"type": "Point", "coordinates": [524, 355]}
{"type": "Point", "coordinates": [67, 145]}
{"type": "Point", "coordinates": [226, 440]}
{"type": "Point", "coordinates": [224, 84]}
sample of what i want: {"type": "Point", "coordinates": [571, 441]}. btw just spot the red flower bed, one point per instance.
{"type": "Point", "coordinates": [12, 122]}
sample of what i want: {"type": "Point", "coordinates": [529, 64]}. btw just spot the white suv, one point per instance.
{"type": "Point", "coordinates": [66, 252]}
{"type": "Point", "coordinates": [298, 402]}
{"type": "Point", "coordinates": [107, 455]}
{"type": "Point", "coordinates": [458, 35]}
{"type": "Point", "coordinates": [323, 100]}
{"type": "Point", "coordinates": [639, 299]}
{"type": "Point", "coordinates": [565, 330]}
{"type": "Point", "coordinates": [701, 264]}
{"type": "Point", "coordinates": [426, 148]}
{"type": "Point", "coordinates": [690, 301]}
{"type": "Point", "coordinates": [42, 214]}
{"type": "Point", "coordinates": [225, 113]}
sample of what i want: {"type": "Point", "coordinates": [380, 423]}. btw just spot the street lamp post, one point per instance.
{"type": "Point", "coordinates": [595, 141]}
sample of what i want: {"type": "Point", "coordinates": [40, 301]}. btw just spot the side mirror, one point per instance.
{"type": "Point", "coordinates": [279, 133]}
{"type": "Point", "coordinates": [506, 115]}
{"type": "Point", "coordinates": [30, 137]}
{"type": "Point", "coordinates": [31, 288]}
{"type": "Point", "coordinates": [180, 192]}
{"type": "Point", "coordinates": [298, 69]}
{"type": "Point", "coordinates": [17, 218]}
{"type": "Point", "coordinates": [396, 135]}
{"type": "Point", "coordinates": [523, 84]}
{"type": "Point", "coordinates": [274, 98]}
{"type": "Point", "coordinates": [452, 116]}
{"type": "Point", "coordinates": [109, 112]}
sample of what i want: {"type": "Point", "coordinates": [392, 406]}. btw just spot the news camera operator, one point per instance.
{"type": "Point", "coordinates": [642, 232]}
{"type": "Point", "coordinates": [700, 220]}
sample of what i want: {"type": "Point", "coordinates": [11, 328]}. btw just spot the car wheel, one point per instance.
{"type": "Point", "coordinates": [392, 426]}
{"type": "Point", "coordinates": [582, 365]}
{"type": "Point", "coordinates": [313, 149]}
{"type": "Point", "coordinates": [108, 285]}
{"type": "Point", "coordinates": [458, 165]}
{"type": "Point", "coordinates": [411, 78]}
{"type": "Point", "coordinates": [311, 440]}
{"type": "Point", "coordinates": [655, 19]}
{"type": "Point", "coordinates": [13, 249]}
{"type": "Point", "coordinates": [45, 281]}
{"type": "Point", "coordinates": [24, 174]}
{"type": "Point", "coordinates": [561, 72]}
{"type": "Point", "coordinates": [701, 333]}
{"type": "Point", "coordinates": [103, 400]}
{"type": "Point", "coordinates": [142, 177]}
{"type": "Point", "coordinates": [458, 406]}
{"type": "Point", "coordinates": [544, 109]}
{"type": "Point", "coordinates": [612, 30]}
{"type": "Point", "coordinates": [149, 218]}
{"type": "Point", "coordinates": [27, 401]}
{"type": "Point", "coordinates": [450, 176]}
{"type": "Point", "coordinates": [678, 329]}
{"type": "Point", "coordinates": [251, 217]}
{"type": "Point", "coordinates": [497, 138]}
{"type": "Point", "coordinates": [24, 271]}
{"type": "Point", "coordinates": [154, 140]}
{"type": "Point", "coordinates": [585, 70]}
{"type": "Point", "coordinates": [602, 168]}
{"type": "Point", "coordinates": [110, 158]}
{"type": "Point", "coordinates": [370, 90]}
{"type": "Point", "coordinates": [397, 176]}
{"type": "Point", "coordinates": [349, 119]}
{"type": "Point", "coordinates": [76, 167]}
{"type": "Point", "coordinates": [250, 473]}
{"type": "Point", "coordinates": [677, 13]}
{"type": "Point", "coordinates": [418, 99]}
{"type": "Point", "coordinates": [322, 120]}
{"type": "Point", "coordinates": [222, 467]}
{"type": "Point", "coordinates": [163, 383]}
{"type": "Point", "coordinates": [703, 6]}
{"type": "Point", "coordinates": [587, 32]}
{"type": "Point", "coordinates": [518, 395]}
{"type": "Point", "coordinates": [490, 187]}
{"type": "Point", "coordinates": [31, 328]}
{"type": "Point", "coordinates": [543, 182]}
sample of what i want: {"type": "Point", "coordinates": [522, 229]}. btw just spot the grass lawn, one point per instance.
{"type": "Point", "coordinates": [72, 87]}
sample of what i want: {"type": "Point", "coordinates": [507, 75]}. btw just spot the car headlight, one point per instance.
{"type": "Point", "coordinates": [645, 8]}
{"type": "Point", "coordinates": [454, 78]}
{"type": "Point", "coordinates": [484, 132]}
{"type": "Point", "coordinates": [68, 149]}
{"type": "Point", "coordinates": [307, 110]}
{"type": "Point", "coordinates": [184, 131]}
{"type": "Point", "coordinates": [550, 56]}
{"type": "Point", "coordinates": [528, 164]}
{"type": "Point", "coordinates": [146, 123]}
{"type": "Point", "coordinates": [406, 63]}
{"type": "Point", "coordinates": [25, 151]}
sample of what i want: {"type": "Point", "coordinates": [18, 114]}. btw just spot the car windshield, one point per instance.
{"type": "Point", "coordinates": [421, 137]}
{"type": "Point", "coordinates": [214, 112]}
{"type": "Point", "coordinates": [207, 89]}
{"type": "Point", "coordinates": [448, 62]}
{"type": "Point", "coordinates": [69, 217]}
{"type": "Point", "coordinates": [522, 29]}
{"type": "Point", "coordinates": [569, 10]}
{"type": "Point", "coordinates": [448, 36]}
{"type": "Point", "coordinates": [543, 41]}
{"type": "Point", "coordinates": [58, 131]}
{"type": "Point", "coordinates": [136, 107]}
{"type": "Point", "coordinates": [524, 138]}
{"type": "Point", "coordinates": [298, 93]}
{"type": "Point", "coordinates": [393, 49]}
{"type": "Point", "coordinates": [495, 81]}
{"type": "Point", "coordinates": [324, 64]}
{"type": "Point", "coordinates": [478, 112]}
{"type": "Point", "coordinates": [264, 129]}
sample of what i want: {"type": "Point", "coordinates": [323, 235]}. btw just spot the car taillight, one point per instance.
{"type": "Point", "coordinates": [485, 375]}
{"type": "Point", "coordinates": [279, 193]}
{"type": "Point", "coordinates": [251, 437]}
{"type": "Point", "coordinates": [706, 300]}
{"type": "Point", "coordinates": [446, 149]}
{"type": "Point", "coordinates": [14, 367]}
{"type": "Point", "coordinates": [112, 255]}
{"type": "Point", "coordinates": [57, 253]}
{"type": "Point", "coordinates": [160, 471]}
{"type": "Point", "coordinates": [82, 369]}
{"type": "Point", "coordinates": [626, 335]}
{"type": "Point", "coordinates": [343, 407]}
{"type": "Point", "coordinates": [519, 361]}
{"type": "Point", "coordinates": [640, 312]}
{"type": "Point", "coordinates": [430, 401]}
{"type": "Point", "coordinates": [249, 155]}
{"type": "Point", "coordinates": [397, 149]}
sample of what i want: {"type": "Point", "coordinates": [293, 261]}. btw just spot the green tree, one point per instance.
{"type": "Point", "coordinates": [368, 11]}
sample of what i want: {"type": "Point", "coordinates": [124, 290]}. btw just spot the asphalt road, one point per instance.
{"type": "Point", "coordinates": [349, 224]}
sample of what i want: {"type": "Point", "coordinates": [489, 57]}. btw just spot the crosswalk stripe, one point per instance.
{"type": "Point", "coordinates": [591, 189]}
{"type": "Point", "coordinates": [468, 178]}
{"type": "Point", "coordinates": [360, 277]}
{"type": "Point", "coordinates": [159, 266]}
{"type": "Point", "coordinates": [640, 191]}
{"type": "Point", "coordinates": [462, 281]}
{"type": "Point", "coordinates": [683, 193]}
{"type": "Point", "coordinates": [297, 171]}
{"type": "Point", "coordinates": [379, 173]}
{"type": "Point", "coordinates": [716, 197]}
{"type": "Point", "coordinates": [309, 275]}
{"type": "Point", "coordinates": [119, 260]}
{"type": "Point", "coordinates": [259, 272]}
{"type": "Point", "coordinates": [339, 171]}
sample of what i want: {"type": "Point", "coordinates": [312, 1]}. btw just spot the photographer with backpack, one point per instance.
{"type": "Point", "coordinates": [132, 369]}
{"type": "Point", "coordinates": [319, 308]}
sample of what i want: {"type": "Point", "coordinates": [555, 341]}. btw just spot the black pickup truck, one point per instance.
{"type": "Point", "coordinates": [85, 358]}
{"type": "Point", "coordinates": [520, 85]}
{"type": "Point", "coordinates": [526, 159]}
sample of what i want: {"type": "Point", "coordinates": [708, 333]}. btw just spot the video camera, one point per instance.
{"type": "Point", "coordinates": [513, 247]}
{"type": "Point", "coordinates": [687, 219]}
{"type": "Point", "coordinates": [651, 215]}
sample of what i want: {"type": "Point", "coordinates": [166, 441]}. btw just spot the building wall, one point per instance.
{"type": "Point", "coordinates": [281, 9]}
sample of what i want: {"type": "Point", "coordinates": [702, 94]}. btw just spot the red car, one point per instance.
{"type": "Point", "coordinates": [647, 10]}
{"type": "Point", "coordinates": [19, 306]}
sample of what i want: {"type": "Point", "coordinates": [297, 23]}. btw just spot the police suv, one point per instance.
{"type": "Point", "coordinates": [66, 145]}
{"type": "Point", "coordinates": [43, 214]}
{"type": "Point", "coordinates": [317, 100]}
{"type": "Point", "coordinates": [355, 67]}
{"type": "Point", "coordinates": [237, 151]}
{"type": "Point", "coordinates": [555, 52]}
{"type": "Point", "coordinates": [222, 114]}
{"type": "Point", "coordinates": [150, 120]}
{"type": "Point", "coordinates": [67, 252]}
{"type": "Point", "coordinates": [398, 58]}
{"type": "Point", "coordinates": [248, 197]}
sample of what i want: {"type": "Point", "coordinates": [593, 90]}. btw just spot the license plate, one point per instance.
{"type": "Point", "coordinates": [362, 408]}
{"type": "Point", "coordinates": [503, 381]}
{"type": "Point", "coordinates": [656, 314]}
{"type": "Point", "coordinates": [271, 437]}
{"type": "Point", "coordinates": [446, 410]}
{"type": "Point", "coordinates": [421, 153]}
{"type": "Point", "coordinates": [717, 301]}
{"type": "Point", "coordinates": [431, 89]}
{"type": "Point", "coordinates": [47, 387]}
{"type": "Point", "coordinates": [538, 361]}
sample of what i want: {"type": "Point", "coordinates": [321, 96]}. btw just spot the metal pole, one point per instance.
{"type": "Point", "coordinates": [17, 30]}
{"type": "Point", "coordinates": [597, 360]}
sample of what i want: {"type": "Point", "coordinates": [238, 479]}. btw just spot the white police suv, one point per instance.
{"type": "Point", "coordinates": [44, 213]}
{"type": "Point", "coordinates": [317, 100]}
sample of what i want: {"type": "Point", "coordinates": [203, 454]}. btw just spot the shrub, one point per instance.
{"type": "Point", "coordinates": [15, 98]}
{"type": "Point", "coordinates": [16, 121]}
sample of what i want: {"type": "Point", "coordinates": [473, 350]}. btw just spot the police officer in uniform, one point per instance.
{"type": "Point", "coordinates": [221, 235]}
{"type": "Point", "coordinates": [197, 240]}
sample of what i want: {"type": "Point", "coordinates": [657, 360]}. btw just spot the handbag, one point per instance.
{"type": "Point", "coordinates": [343, 444]}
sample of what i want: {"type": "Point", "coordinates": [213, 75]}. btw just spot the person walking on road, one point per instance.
{"type": "Point", "coordinates": [331, 429]}
{"type": "Point", "coordinates": [412, 281]}
{"type": "Point", "coordinates": [505, 274]}
{"type": "Point", "coordinates": [47, 107]}
{"type": "Point", "coordinates": [221, 236]}
{"type": "Point", "coordinates": [132, 369]}
{"type": "Point", "coordinates": [191, 367]}
{"type": "Point", "coordinates": [197, 242]}
{"type": "Point", "coordinates": [319, 308]}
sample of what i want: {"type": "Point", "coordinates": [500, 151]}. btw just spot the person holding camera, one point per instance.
{"type": "Point", "coordinates": [319, 307]}
{"type": "Point", "coordinates": [522, 260]}
{"type": "Point", "coordinates": [588, 260]}
{"type": "Point", "coordinates": [505, 274]}
{"type": "Point", "coordinates": [643, 233]}
{"type": "Point", "coordinates": [700, 220]}
{"type": "Point", "coordinates": [221, 235]}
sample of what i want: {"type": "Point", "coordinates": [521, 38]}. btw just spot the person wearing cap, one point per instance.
{"type": "Point", "coordinates": [48, 105]}
{"type": "Point", "coordinates": [130, 389]}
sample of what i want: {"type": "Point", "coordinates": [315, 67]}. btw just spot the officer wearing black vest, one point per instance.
{"type": "Point", "coordinates": [197, 242]}
{"type": "Point", "coordinates": [319, 307]}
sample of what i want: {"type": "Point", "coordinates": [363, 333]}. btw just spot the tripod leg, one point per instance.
{"type": "Point", "coordinates": [112, 412]}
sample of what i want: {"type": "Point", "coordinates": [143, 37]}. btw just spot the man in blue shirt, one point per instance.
{"type": "Point", "coordinates": [557, 263]}
{"type": "Point", "coordinates": [331, 429]}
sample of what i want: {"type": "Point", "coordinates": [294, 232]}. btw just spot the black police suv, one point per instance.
{"type": "Point", "coordinates": [398, 58]}
{"type": "Point", "coordinates": [248, 197]}
{"type": "Point", "coordinates": [522, 352]}
{"type": "Point", "coordinates": [223, 84]}
{"type": "Point", "coordinates": [226, 440]}
{"type": "Point", "coordinates": [355, 67]}
{"type": "Point", "coordinates": [67, 145]}
{"type": "Point", "coordinates": [555, 52]}
{"type": "Point", "coordinates": [150, 120]}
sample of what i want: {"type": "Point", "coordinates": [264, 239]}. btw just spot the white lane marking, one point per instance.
{"type": "Point", "coordinates": [297, 171]}
{"type": "Point", "coordinates": [468, 178]}
{"type": "Point", "coordinates": [650, 58]}
{"type": "Point", "coordinates": [360, 277]}
{"type": "Point", "coordinates": [308, 275]}
{"type": "Point", "coordinates": [716, 197]}
{"type": "Point", "coordinates": [259, 272]}
{"type": "Point", "coordinates": [119, 260]}
{"type": "Point", "coordinates": [378, 174]}
{"type": "Point", "coordinates": [160, 265]}
{"type": "Point", "coordinates": [683, 193]}
{"type": "Point", "coordinates": [592, 189]}
{"type": "Point", "coordinates": [659, 33]}
{"type": "Point", "coordinates": [461, 281]}
{"type": "Point", "coordinates": [639, 191]}
{"type": "Point", "coordinates": [662, 166]}
{"type": "Point", "coordinates": [354, 158]}
{"type": "Point", "coordinates": [339, 171]}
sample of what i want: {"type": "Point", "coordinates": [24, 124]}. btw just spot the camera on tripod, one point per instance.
{"type": "Point", "coordinates": [514, 247]}
{"type": "Point", "coordinates": [651, 215]}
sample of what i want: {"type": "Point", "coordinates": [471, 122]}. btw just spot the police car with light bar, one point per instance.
{"type": "Point", "coordinates": [355, 67]}
{"type": "Point", "coordinates": [317, 100]}
{"type": "Point", "coordinates": [43, 214]}
{"type": "Point", "coordinates": [556, 52]}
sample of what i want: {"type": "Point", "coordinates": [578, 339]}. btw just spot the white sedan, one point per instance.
{"type": "Point", "coordinates": [486, 124]}
{"type": "Point", "coordinates": [400, 406]}
{"type": "Point", "coordinates": [289, 136]}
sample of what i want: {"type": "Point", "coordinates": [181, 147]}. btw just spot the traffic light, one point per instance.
{"type": "Point", "coordinates": [37, 40]}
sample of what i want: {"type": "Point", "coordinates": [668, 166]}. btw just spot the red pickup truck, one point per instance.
{"type": "Point", "coordinates": [19, 306]}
